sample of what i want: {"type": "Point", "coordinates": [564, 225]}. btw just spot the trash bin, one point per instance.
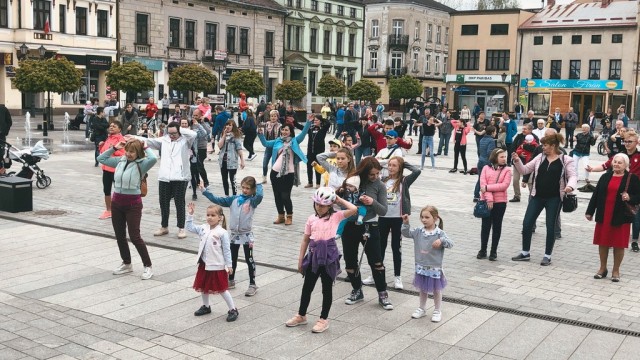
{"type": "Point", "coordinates": [15, 194]}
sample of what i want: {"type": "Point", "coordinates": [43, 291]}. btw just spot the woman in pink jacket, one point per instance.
{"type": "Point", "coordinates": [494, 182]}
{"type": "Point", "coordinates": [460, 130]}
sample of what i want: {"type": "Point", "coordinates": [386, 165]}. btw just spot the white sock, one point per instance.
{"type": "Point", "coordinates": [437, 299]}
{"type": "Point", "coordinates": [205, 299]}
{"type": "Point", "coordinates": [547, 256]}
{"type": "Point", "coordinates": [227, 298]}
{"type": "Point", "coordinates": [525, 253]}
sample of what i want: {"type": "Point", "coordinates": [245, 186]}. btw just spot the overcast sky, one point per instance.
{"type": "Point", "coordinates": [524, 4]}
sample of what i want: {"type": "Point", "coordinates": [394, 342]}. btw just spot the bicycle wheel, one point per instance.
{"type": "Point", "coordinates": [601, 148]}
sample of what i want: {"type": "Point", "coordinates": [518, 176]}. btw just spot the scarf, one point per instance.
{"type": "Point", "coordinates": [242, 199]}
{"type": "Point", "coordinates": [128, 115]}
{"type": "Point", "coordinates": [286, 155]}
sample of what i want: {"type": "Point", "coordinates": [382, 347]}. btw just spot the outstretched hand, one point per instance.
{"type": "Point", "coordinates": [405, 219]}
{"type": "Point", "coordinates": [191, 208]}
{"type": "Point", "coordinates": [201, 185]}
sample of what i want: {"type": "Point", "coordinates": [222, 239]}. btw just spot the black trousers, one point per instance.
{"type": "Point", "coordinates": [393, 226]}
{"type": "Point", "coordinates": [311, 157]}
{"type": "Point", "coordinates": [569, 138]}
{"type": "Point", "coordinates": [202, 156]}
{"type": "Point", "coordinates": [352, 237]}
{"type": "Point", "coordinates": [492, 222]}
{"type": "Point", "coordinates": [462, 151]}
{"type": "Point", "coordinates": [248, 141]}
{"type": "Point", "coordinates": [195, 176]}
{"type": "Point", "coordinates": [282, 187]}
{"type": "Point", "coordinates": [228, 175]}
{"type": "Point", "coordinates": [248, 257]}
{"type": "Point", "coordinates": [310, 280]}
{"type": "Point", "coordinates": [175, 190]}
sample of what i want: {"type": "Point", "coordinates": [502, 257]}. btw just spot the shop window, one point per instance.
{"type": "Point", "coordinates": [469, 30]}
{"type": "Point", "coordinates": [556, 40]}
{"type": "Point", "coordinates": [615, 69]}
{"type": "Point", "coordinates": [576, 39]}
{"type": "Point", "coordinates": [574, 69]}
{"type": "Point", "coordinates": [468, 60]}
{"type": "Point", "coordinates": [538, 40]}
{"type": "Point", "coordinates": [87, 91]}
{"type": "Point", "coordinates": [499, 29]}
{"type": "Point", "coordinates": [556, 69]}
{"type": "Point", "coordinates": [616, 38]}
{"type": "Point", "coordinates": [539, 103]}
{"type": "Point", "coordinates": [81, 21]}
{"type": "Point", "coordinates": [41, 11]}
{"type": "Point", "coordinates": [174, 32]}
{"type": "Point", "coordinates": [596, 39]}
{"type": "Point", "coordinates": [536, 69]}
{"type": "Point", "coordinates": [594, 69]}
{"type": "Point", "coordinates": [142, 29]}
{"type": "Point", "coordinates": [498, 59]}
{"type": "Point", "coordinates": [4, 14]}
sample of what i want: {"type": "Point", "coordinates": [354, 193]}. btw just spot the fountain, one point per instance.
{"type": "Point", "coordinates": [65, 129]}
{"type": "Point", "coordinates": [27, 128]}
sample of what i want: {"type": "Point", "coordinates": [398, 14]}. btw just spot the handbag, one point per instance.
{"type": "Point", "coordinates": [143, 182]}
{"type": "Point", "coordinates": [631, 209]}
{"type": "Point", "coordinates": [481, 209]}
{"type": "Point", "coordinates": [569, 201]}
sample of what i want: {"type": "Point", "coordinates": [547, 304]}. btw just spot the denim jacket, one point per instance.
{"type": "Point", "coordinates": [276, 145]}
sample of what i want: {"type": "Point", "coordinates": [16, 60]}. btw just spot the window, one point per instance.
{"type": "Point", "coordinates": [536, 69]}
{"type": "Point", "coordinates": [556, 40]}
{"type": "Point", "coordinates": [427, 64]}
{"type": "Point", "coordinates": [41, 10]}
{"type": "Point", "coordinates": [231, 39]}
{"type": "Point", "coordinates": [375, 28]}
{"type": "Point", "coordinates": [468, 60]}
{"type": "Point", "coordinates": [538, 40]}
{"type": "Point", "coordinates": [415, 61]}
{"type": "Point", "coordinates": [396, 62]}
{"type": "Point", "coordinates": [556, 69]}
{"type": "Point", "coordinates": [616, 38]}
{"type": "Point", "coordinates": [444, 64]}
{"type": "Point", "coordinates": [326, 46]}
{"type": "Point", "coordinates": [438, 34]}
{"type": "Point", "coordinates": [498, 59]}
{"type": "Point", "coordinates": [499, 29]}
{"type": "Point", "coordinates": [339, 44]}
{"type": "Point", "coordinates": [615, 69]}
{"type": "Point", "coordinates": [327, 8]}
{"type": "Point", "coordinates": [429, 33]}
{"type": "Point", "coordinates": [398, 27]}
{"type": "Point", "coordinates": [294, 34]}
{"type": "Point", "coordinates": [596, 39]}
{"type": "Point", "coordinates": [298, 4]}
{"type": "Point", "coordinates": [314, 5]}
{"type": "Point", "coordinates": [268, 43]}
{"type": "Point", "coordinates": [142, 29]}
{"type": "Point", "coordinates": [4, 14]}
{"type": "Point", "coordinates": [174, 32]}
{"type": "Point", "coordinates": [312, 82]}
{"type": "Point", "coordinates": [594, 69]}
{"type": "Point", "coordinates": [313, 41]}
{"type": "Point", "coordinates": [574, 69]}
{"type": "Point", "coordinates": [446, 36]}
{"type": "Point", "coordinates": [244, 41]}
{"type": "Point", "coordinates": [81, 21]}
{"type": "Point", "coordinates": [190, 34]}
{"type": "Point", "coordinates": [340, 10]}
{"type": "Point", "coordinates": [576, 39]}
{"type": "Point", "coordinates": [416, 31]}
{"type": "Point", "coordinates": [352, 12]}
{"type": "Point", "coordinates": [352, 44]}
{"type": "Point", "coordinates": [436, 68]}
{"type": "Point", "coordinates": [210, 36]}
{"type": "Point", "coordinates": [62, 18]}
{"type": "Point", "coordinates": [469, 30]}
{"type": "Point", "coordinates": [290, 3]}
{"type": "Point", "coordinates": [103, 21]}
{"type": "Point", "coordinates": [373, 60]}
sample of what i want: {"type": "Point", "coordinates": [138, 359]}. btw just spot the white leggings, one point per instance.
{"type": "Point", "coordinates": [580, 170]}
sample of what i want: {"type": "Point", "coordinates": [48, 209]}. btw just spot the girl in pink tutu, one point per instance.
{"type": "Point", "coordinates": [214, 259]}
{"type": "Point", "coordinates": [429, 243]}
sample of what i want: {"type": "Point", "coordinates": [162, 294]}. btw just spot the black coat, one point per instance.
{"type": "Point", "coordinates": [5, 121]}
{"type": "Point", "coordinates": [316, 145]}
{"type": "Point", "coordinates": [599, 197]}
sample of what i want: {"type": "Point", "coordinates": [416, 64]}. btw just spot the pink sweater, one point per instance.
{"type": "Point", "coordinates": [456, 124]}
{"type": "Point", "coordinates": [496, 188]}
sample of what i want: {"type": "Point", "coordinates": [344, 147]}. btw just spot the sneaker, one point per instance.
{"type": "Point", "coordinates": [252, 157]}
{"type": "Point", "coordinates": [264, 179]}
{"type": "Point", "coordinates": [493, 256]}
{"type": "Point", "coordinates": [194, 197]}
{"type": "Point", "coordinates": [453, 171]}
{"type": "Point", "coordinates": [86, 139]}
{"type": "Point", "coordinates": [232, 315]}
{"type": "Point", "coordinates": [105, 215]}
{"type": "Point", "coordinates": [397, 283]}
{"type": "Point", "coordinates": [383, 300]}
{"type": "Point", "coordinates": [481, 255]}
{"type": "Point", "coordinates": [308, 186]}
{"type": "Point", "coordinates": [296, 320]}
{"type": "Point", "coordinates": [320, 326]}
{"type": "Point", "coordinates": [545, 261]}
{"type": "Point", "coordinates": [521, 257]}
{"type": "Point", "coordinates": [252, 290]}
{"type": "Point", "coordinates": [203, 311]}
{"type": "Point", "coordinates": [437, 316]}
{"type": "Point", "coordinates": [182, 234]}
{"type": "Point", "coordinates": [123, 269]}
{"type": "Point", "coordinates": [147, 273]}
{"type": "Point", "coordinates": [418, 313]}
{"type": "Point", "coordinates": [634, 246]}
{"type": "Point", "coordinates": [368, 281]}
{"type": "Point", "coordinates": [161, 231]}
{"type": "Point", "coordinates": [232, 284]}
{"type": "Point", "coordinates": [355, 297]}
{"type": "Point", "coordinates": [515, 199]}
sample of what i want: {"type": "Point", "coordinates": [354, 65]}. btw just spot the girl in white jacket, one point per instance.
{"type": "Point", "coordinates": [214, 260]}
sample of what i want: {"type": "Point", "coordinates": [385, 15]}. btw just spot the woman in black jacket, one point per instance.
{"type": "Point", "coordinates": [615, 190]}
{"type": "Point", "coordinates": [250, 131]}
{"type": "Point", "coordinates": [99, 126]}
{"type": "Point", "coordinates": [315, 146]}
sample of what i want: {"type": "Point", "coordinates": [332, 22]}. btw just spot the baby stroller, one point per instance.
{"type": "Point", "coordinates": [29, 158]}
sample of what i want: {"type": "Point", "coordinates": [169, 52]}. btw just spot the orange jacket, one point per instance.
{"type": "Point", "coordinates": [112, 140]}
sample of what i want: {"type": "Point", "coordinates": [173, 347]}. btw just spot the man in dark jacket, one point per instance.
{"type": "Point", "coordinates": [5, 126]}
{"type": "Point", "coordinates": [350, 120]}
{"type": "Point", "coordinates": [221, 119]}
{"type": "Point", "coordinates": [570, 122]}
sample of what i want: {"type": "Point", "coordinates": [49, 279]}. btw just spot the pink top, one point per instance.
{"type": "Point", "coordinates": [205, 110]}
{"type": "Point", "coordinates": [325, 228]}
{"type": "Point", "coordinates": [456, 124]}
{"type": "Point", "coordinates": [278, 164]}
{"type": "Point", "coordinates": [496, 188]}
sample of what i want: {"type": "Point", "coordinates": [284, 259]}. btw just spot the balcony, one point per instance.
{"type": "Point", "coordinates": [398, 42]}
{"type": "Point", "coordinates": [142, 49]}
{"type": "Point", "coordinates": [182, 54]}
{"type": "Point", "coordinates": [396, 72]}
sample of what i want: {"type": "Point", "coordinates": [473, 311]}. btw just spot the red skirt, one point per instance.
{"type": "Point", "coordinates": [605, 233]}
{"type": "Point", "coordinates": [211, 282]}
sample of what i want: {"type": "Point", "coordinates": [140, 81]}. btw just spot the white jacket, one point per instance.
{"type": "Point", "coordinates": [174, 162]}
{"type": "Point", "coordinates": [214, 248]}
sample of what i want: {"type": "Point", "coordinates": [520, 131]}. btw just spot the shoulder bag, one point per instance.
{"type": "Point", "coordinates": [631, 209]}
{"type": "Point", "coordinates": [569, 201]}
{"type": "Point", "coordinates": [143, 182]}
{"type": "Point", "coordinates": [481, 209]}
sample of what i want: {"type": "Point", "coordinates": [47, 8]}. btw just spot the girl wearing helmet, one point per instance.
{"type": "Point", "coordinates": [323, 259]}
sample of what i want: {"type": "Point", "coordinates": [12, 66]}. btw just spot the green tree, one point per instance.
{"type": "Point", "coordinates": [292, 90]}
{"type": "Point", "coordinates": [498, 4]}
{"type": "Point", "coordinates": [192, 77]}
{"type": "Point", "coordinates": [404, 88]}
{"type": "Point", "coordinates": [130, 77]}
{"type": "Point", "coordinates": [331, 86]}
{"type": "Point", "coordinates": [249, 82]}
{"type": "Point", "coordinates": [50, 75]}
{"type": "Point", "coordinates": [365, 90]}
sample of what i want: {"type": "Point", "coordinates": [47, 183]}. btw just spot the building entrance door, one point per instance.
{"type": "Point", "coordinates": [582, 103]}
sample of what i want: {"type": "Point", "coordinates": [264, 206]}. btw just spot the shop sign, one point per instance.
{"type": "Point", "coordinates": [150, 64]}
{"type": "Point", "coordinates": [571, 84]}
{"type": "Point", "coordinates": [10, 71]}
{"type": "Point", "coordinates": [98, 62]}
{"type": "Point", "coordinates": [461, 78]}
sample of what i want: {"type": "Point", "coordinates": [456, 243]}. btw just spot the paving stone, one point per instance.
{"type": "Point", "coordinates": [106, 347]}
{"type": "Point", "coordinates": [41, 352]}
{"type": "Point", "coordinates": [32, 333]}
{"type": "Point", "coordinates": [168, 341]}
{"type": "Point", "coordinates": [51, 341]}
{"type": "Point", "coordinates": [491, 332]}
{"type": "Point", "coordinates": [457, 353]}
{"type": "Point", "coordinates": [129, 354]}
{"type": "Point", "coordinates": [456, 328]}
{"type": "Point", "coordinates": [74, 350]}
{"type": "Point", "coordinates": [20, 343]}
{"type": "Point", "coordinates": [136, 343]}
{"type": "Point", "coordinates": [161, 352]}
{"type": "Point", "coordinates": [6, 336]}
{"type": "Point", "coordinates": [144, 334]}
{"type": "Point", "coordinates": [11, 354]}
{"type": "Point", "coordinates": [598, 345]}
{"type": "Point", "coordinates": [84, 339]}
{"type": "Point", "coordinates": [526, 337]}
{"type": "Point", "coordinates": [113, 336]}
{"type": "Point", "coordinates": [560, 343]}
{"type": "Point", "coordinates": [192, 349]}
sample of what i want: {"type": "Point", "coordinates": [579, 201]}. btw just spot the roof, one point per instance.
{"type": "Point", "coordinates": [592, 14]}
{"type": "Point", "coordinates": [261, 4]}
{"type": "Point", "coordinates": [427, 3]}
{"type": "Point", "coordinates": [491, 11]}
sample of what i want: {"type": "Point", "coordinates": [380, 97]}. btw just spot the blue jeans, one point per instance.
{"type": "Point", "coordinates": [476, 192]}
{"type": "Point", "coordinates": [339, 129]}
{"type": "Point", "coordinates": [444, 141]}
{"type": "Point", "coordinates": [266, 160]}
{"type": "Point", "coordinates": [362, 151]}
{"type": "Point", "coordinates": [536, 205]}
{"type": "Point", "coordinates": [427, 142]}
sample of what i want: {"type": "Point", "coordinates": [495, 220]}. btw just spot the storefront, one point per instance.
{"type": "Point", "coordinates": [491, 92]}
{"type": "Point", "coordinates": [93, 78]}
{"type": "Point", "coordinates": [157, 68]}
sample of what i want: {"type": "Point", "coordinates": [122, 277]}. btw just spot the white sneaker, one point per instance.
{"type": "Point", "coordinates": [397, 283]}
{"type": "Point", "coordinates": [437, 316]}
{"type": "Point", "coordinates": [182, 234]}
{"type": "Point", "coordinates": [123, 269]}
{"type": "Point", "coordinates": [147, 273]}
{"type": "Point", "coordinates": [161, 231]}
{"type": "Point", "coordinates": [418, 313]}
{"type": "Point", "coordinates": [368, 281]}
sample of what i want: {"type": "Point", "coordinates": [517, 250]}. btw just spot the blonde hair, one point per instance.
{"type": "Point", "coordinates": [136, 146]}
{"type": "Point", "coordinates": [218, 211]}
{"type": "Point", "coordinates": [434, 212]}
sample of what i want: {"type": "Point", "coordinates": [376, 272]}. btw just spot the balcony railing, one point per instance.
{"type": "Point", "coordinates": [184, 54]}
{"type": "Point", "coordinates": [398, 42]}
{"type": "Point", "coordinates": [142, 49]}
{"type": "Point", "coordinates": [401, 71]}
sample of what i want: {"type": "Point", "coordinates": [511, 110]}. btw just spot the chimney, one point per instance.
{"type": "Point", "coordinates": [551, 3]}
{"type": "Point", "coordinates": [605, 3]}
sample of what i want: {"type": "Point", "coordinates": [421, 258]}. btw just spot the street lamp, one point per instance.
{"type": "Point", "coordinates": [506, 101]}
{"type": "Point", "coordinates": [24, 50]}
{"type": "Point", "coordinates": [344, 79]}
{"type": "Point", "coordinates": [42, 51]}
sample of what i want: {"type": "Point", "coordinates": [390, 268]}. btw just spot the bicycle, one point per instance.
{"type": "Point", "coordinates": [602, 142]}
{"type": "Point", "coordinates": [151, 123]}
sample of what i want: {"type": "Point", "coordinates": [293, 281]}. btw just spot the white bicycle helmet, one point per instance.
{"type": "Point", "coordinates": [324, 196]}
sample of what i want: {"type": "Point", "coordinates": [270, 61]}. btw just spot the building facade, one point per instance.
{"type": "Point", "coordinates": [82, 31]}
{"type": "Point", "coordinates": [584, 55]}
{"type": "Point", "coordinates": [323, 38]}
{"type": "Point", "coordinates": [483, 65]}
{"type": "Point", "coordinates": [407, 38]}
{"type": "Point", "coordinates": [224, 36]}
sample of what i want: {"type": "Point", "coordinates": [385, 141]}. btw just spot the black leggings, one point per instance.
{"type": "Point", "coordinates": [228, 175]}
{"type": "Point", "coordinates": [202, 156]}
{"type": "Point", "coordinates": [311, 157]}
{"type": "Point", "coordinates": [195, 176]}
{"type": "Point", "coordinates": [310, 280]}
{"type": "Point", "coordinates": [492, 222]}
{"type": "Point", "coordinates": [248, 141]}
{"type": "Point", "coordinates": [392, 225]}
{"type": "Point", "coordinates": [462, 150]}
{"type": "Point", "coordinates": [107, 181]}
{"type": "Point", "coordinates": [352, 237]}
{"type": "Point", "coordinates": [175, 190]}
{"type": "Point", "coordinates": [248, 257]}
{"type": "Point", "coordinates": [282, 192]}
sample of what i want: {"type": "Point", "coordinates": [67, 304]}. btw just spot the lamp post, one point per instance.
{"type": "Point", "coordinates": [344, 79]}
{"type": "Point", "coordinates": [46, 115]}
{"type": "Point", "coordinates": [506, 101]}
